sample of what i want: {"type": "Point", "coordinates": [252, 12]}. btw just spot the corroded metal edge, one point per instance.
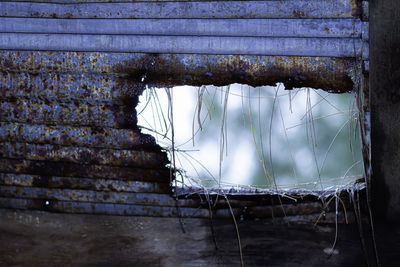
{"type": "Point", "coordinates": [190, 69]}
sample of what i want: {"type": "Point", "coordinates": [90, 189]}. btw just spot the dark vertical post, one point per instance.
{"type": "Point", "coordinates": [385, 107]}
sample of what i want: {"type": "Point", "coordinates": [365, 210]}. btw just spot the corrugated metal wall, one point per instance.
{"type": "Point", "coordinates": [71, 73]}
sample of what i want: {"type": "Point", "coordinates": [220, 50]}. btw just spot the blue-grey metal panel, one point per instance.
{"type": "Point", "coordinates": [219, 45]}
{"type": "Point", "coordinates": [185, 10]}
{"type": "Point", "coordinates": [323, 28]}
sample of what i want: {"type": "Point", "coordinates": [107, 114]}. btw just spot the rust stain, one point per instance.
{"type": "Point", "coordinates": [132, 72]}
{"type": "Point", "coordinates": [356, 8]}
{"type": "Point", "coordinates": [160, 71]}
{"type": "Point", "coordinates": [299, 14]}
{"type": "Point", "coordinates": [69, 169]}
{"type": "Point", "coordinates": [82, 155]}
{"type": "Point", "coordinates": [79, 136]}
{"type": "Point", "coordinates": [69, 128]}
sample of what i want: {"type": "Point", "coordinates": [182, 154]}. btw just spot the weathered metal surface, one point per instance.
{"type": "Point", "coordinates": [68, 135]}
{"type": "Point", "coordinates": [93, 196]}
{"type": "Point", "coordinates": [101, 208]}
{"type": "Point", "coordinates": [303, 28]}
{"type": "Point", "coordinates": [173, 10]}
{"type": "Point", "coordinates": [316, 72]}
{"type": "Point", "coordinates": [68, 169]}
{"type": "Point", "coordinates": [37, 111]}
{"type": "Point", "coordinates": [28, 180]}
{"type": "Point", "coordinates": [137, 193]}
{"type": "Point", "coordinates": [75, 136]}
{"type": "Point", "coordinates": [157, 210]}
{"type": "Point", "coordinates": [218, 45]}
{"type": "Point", "coordinates": [91, 87]}
{"type": "Point", "coordinates": [84, 155]}
{"type": "Point", "coordinates": [248, 209]}
{"type": "Point", "coordinates": [138, 200]}
{"type": "Point", "coordinates": [169, 70]}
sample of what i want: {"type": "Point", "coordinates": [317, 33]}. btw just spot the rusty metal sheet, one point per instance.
{"type": "Point", "coordinates": [82, 155]}
{"type": "Point", "coordinates": [170, 70]}
{"type": "Point", "coordinates": [138, 198]}
{"type": "Point", "coordinates": [91, 87]}
{"type": "Point", "coordinates": [149, 210]}
{"type": "Point", "coordinates": [102, 208]}
{"type": "Point", "coordinates": [68, 133]}
{"type": "Point", "coordinates": [77, 113]}
{"type": "Point", "coordinates": [93, 196]}
{"type": "Point", "coordinates": [214, 45]}
{"type": "Point", "coordinates": [28, 180]}
{"type": "Point", "coordinates": [198, 9]}
{"type": "Point", "coordinates": [68, 169]}
{"type": "Point", "coordinates": [304, 28]}
{"type": "Point", "coordinates": [129, 210]}
{"type": "Point", "coordinates": [51, 182]}
{"type": "Point", "coordinates": [75, 136]}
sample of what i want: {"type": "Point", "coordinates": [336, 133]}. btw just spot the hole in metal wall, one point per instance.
{"type": "Point", "coordinates": [264, 138]}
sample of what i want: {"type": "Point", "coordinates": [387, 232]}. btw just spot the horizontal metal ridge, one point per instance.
{"type": "Point", "coordinates": [69, 169]}
{"type": "Point", "coordinates": [164, 211]}
{"type": "Point", "coordinates": [83, 155]}
{"type": "Point", "coordinates": [93, 196]}
{"type": "Point", "coordinates": [307, 28]}
{"type": "Point", "coordinates": [76, 113]}
{"type": "Point", "coordinates": [277, 46]}
{"type": "Point", "coordinates": [160, 70]}
{"type": "Point", "coordinates": [75, 136]}
{"type": "Point", "coordinates": [198, 9]}
{"type": "Point", "coordinates": [90, 87]}
{"type": "Point", "coordinates": [31, 180]}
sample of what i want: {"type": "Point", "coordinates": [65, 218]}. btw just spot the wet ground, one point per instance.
{"type": "Point", "coordinates": [30, 238]}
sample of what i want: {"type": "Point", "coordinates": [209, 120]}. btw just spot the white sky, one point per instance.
{"type": "Point", "coordinates": [241, 160]}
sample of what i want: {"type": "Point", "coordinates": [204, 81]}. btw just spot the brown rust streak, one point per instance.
{"type": "Point", "coordinates": [76, 136]}
{"type": "Point", "coordinates": [69, 113]}
{"type": "Point", "coordinates": [330, 74]}
{"type": "Point", "coordinates": [190, 69]}
{"type": "Point", "coordinates": [356, 8]}
{"type": "Point", "coordinates": [66, 86]}
{"type": "Point", "coordinates": [82, 155]}
{"type": "Point", "coordinates": [28, 180]}
{"type": "Point", "coordinates": [68, 169]}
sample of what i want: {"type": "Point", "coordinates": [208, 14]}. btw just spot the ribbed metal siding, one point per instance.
{"type": "Point", "coordinates": [71, 73]}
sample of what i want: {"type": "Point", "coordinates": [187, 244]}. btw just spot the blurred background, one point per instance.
{"type": "Point", "coordinates": [264, 137]}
